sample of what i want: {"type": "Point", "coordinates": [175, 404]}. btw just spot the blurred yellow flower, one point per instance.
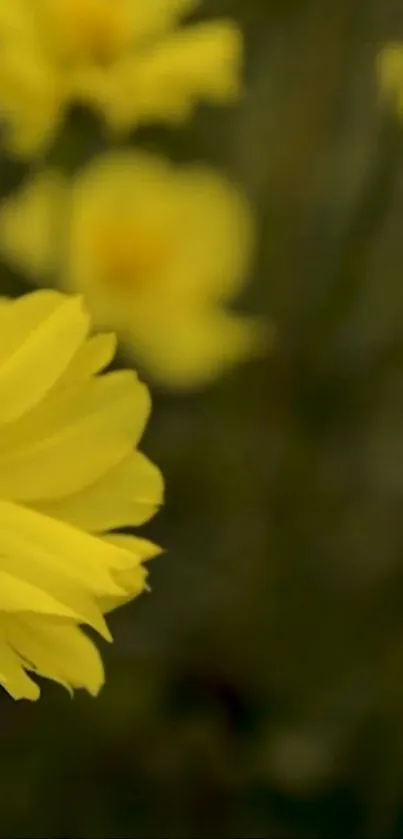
{"type": "Point", "coordinates": [127, 58]}
{"type": "Point", "coordinates": [68, 475]}
{"type": "Point", "coordinates": [390, 66]}
{"type": "Point", "coordinates": [157, 250]}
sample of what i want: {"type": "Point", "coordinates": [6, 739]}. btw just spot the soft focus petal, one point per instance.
{"type": "Point", "coordinates": [193, 64]}
{"type": "Point", "coordinates": [218, 233]}
{"type": "Point", "coordinates": [152, 17]}
{"type": "Point", "coordinates": [32, 92]}
{"type": "Point", "coordinates": [194, 350]}
{"type": "Point", "coordinates": [31, 224]}
{"type": "Point", "coordinates": [390, 69]}
{"type": "Point", "coordinates": [32, 99]}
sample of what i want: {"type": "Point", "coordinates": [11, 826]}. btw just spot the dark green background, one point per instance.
{"type": "Point", "coordinates": [258, 691]}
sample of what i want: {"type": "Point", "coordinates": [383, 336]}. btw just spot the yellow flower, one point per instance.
{"type": "Point", "coordinates": [127, 58]}
{"type": "Point", "coordinates": [33, 92]}
{"type": "Point", "coordinates": [68, 475]}
{"type": "Point", "coordinates": [390, 67]}
{"type": "Point", "coordinates": [157, 250]}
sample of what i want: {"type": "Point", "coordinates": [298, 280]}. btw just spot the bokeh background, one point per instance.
{"type": "Point", "coordinates": [258, 691]}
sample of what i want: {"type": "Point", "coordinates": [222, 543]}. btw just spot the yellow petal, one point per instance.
{"type": "Point", "coordinates": [165, 81]}
{"type": "Point", "coordinates": [141, 549]}
{"type": "Point", "coordinates": [390, 69]}
{"type": "Point", "coordinates": [156, 15]}
{"type": "Point", "coordinates": [32, 97]}
{"type": "Point", "coordinates": [58, 650]}
{"type": "Point", "coordinates": [129, 494]}
{"type": "Point", "coordinates": [201, 62]}
{"type": "Point", "coordinates": [218, 236]}
{"type": "Point", "coordinates": [90, 358]}
{"type": "Point", "coordinates": [12, 674]}
{"type": "Point", "coordinates": [31, 90]}
{"type": "Point", "coordinates": [76, 448]}
{"type": "Point", "coordinates": [134, 585]}
{"type": "Point", "coordinates": [31, 223]}
{"type": "Point", "coordinates": [43, 332]}
{"type": "Point", "coordinates": [95, 354]}
{"type": "Point", "coordinates": [134, 579]}
{"type": "Point", "coordinates": [17, 595]}
{"type": "Point", "coordinates": [89, 559]}
{"type": "Point", "coordinates": [193, 350]}
{"type": "Point", "coordinates": [59, 581]}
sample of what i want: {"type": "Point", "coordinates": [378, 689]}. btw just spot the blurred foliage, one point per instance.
{"type": "Point", "coordinates": [259, 690]}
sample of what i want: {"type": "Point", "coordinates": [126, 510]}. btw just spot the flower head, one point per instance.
{"type": "Point", "coordinates": [69, 474]}
{"type": "Point", "coordinates": [157, 251]}
{"type": "Point", "coordinates": [127, 58]}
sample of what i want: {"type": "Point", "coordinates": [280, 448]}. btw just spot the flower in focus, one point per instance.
{"type": "Point", "coordinates": [69, 474]}
{"type": "Point", "coordinates": [127, 58]}
{"type": "Point", "coordinates": [390, 66]}
{"type": "Point", "coordinates": [157, 251]}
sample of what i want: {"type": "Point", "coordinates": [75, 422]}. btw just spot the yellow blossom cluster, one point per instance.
{"type": "Point", "coordinates": [156, 250]}
{"type": "Point", "coordinates": [131, 242]}
{"type": "Point", "coordinates": [131, 60]}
